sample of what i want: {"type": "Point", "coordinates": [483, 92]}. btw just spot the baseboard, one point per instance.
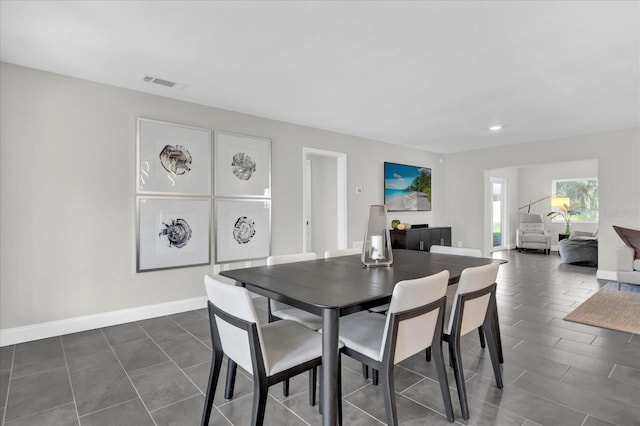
{"type": "Point", "coordinates": [607, 275]}
{"type": "Point", "coordinates": [12, 336]}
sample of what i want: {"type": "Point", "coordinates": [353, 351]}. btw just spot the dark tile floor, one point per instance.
{"type": "Point", "coordinates": [154, 372]}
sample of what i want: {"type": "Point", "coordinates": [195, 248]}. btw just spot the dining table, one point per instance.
{"type": "Point", "coordinates": [339, 286]}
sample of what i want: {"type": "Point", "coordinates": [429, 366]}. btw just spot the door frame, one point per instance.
{"type": "Point", "coordinates": [504, 213]}
{"type": "Point", "coordinates": [341, 195]}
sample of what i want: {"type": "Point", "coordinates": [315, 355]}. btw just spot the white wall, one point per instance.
{"type": "Point", "coordinates": [617, 154]}
{"type": "Point", "coordinates": [67, 207]}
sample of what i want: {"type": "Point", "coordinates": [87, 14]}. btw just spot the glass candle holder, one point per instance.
{"type": "Point", "coordinates": [376, 246]}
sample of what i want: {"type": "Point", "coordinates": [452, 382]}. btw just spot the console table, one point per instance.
{"type": "Point", "coordinates": [420, 238]}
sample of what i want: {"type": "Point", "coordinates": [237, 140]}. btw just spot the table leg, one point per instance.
{"type": "Point", "coordinates": [330, 327]}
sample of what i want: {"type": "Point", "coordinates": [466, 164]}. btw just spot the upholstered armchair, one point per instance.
{"type": "Point", "coordinates": [531, 233]}
{"type": "Point", "coordinates": [628, 267]}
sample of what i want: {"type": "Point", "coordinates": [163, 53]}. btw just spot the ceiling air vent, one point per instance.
{"type": "Point", "coordinates": [159, 81]}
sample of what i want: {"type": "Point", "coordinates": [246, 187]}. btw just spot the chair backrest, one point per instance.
{"type": "Point", "coordinates": [415, 333]}
{"type": "Point", "coordinates": [531, 223]}
{"type": "Point", "coordinates": [290, 258]}
{"type": "Point", "coordinates": [287, 258]}
{"type": "Point", "coordinates": [472, 312]}
{"type": "Point", "coordinates": [342, 252]}
{"type": "Point", "coordinates": [458, 251]}
{"type": "Point", "coordinates": [235, 301]}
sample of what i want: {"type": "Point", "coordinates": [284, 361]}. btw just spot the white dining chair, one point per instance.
{"type": "Point", "coordinates": [474, 307]}
{"type": "Point", "coordinates": [282, 311]}
{"type": "Point", "coordinates": [414, 322]}
{"type": "Point", "coordinates": [271, 352]}
{"type": "Point", "coordinates": [457, 251]}
{"type": "Point", "coordinates": [349, 252]}
{"type": "Point", "coordinates": [342, 252]}
{"type": "Point", "coordinates": [279, 310]}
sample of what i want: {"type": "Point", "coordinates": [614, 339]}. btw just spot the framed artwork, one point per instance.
{"type": "Point", "coordinates": [173, 232]}
{"type": "Point", "coordinates": [243, 166]}
{"type": "Point", "coordinates": [172, 159]}
{"type": "Point", "coordinates": [407, 188]}
{"type": "Point", "coordinates": [243, 229]}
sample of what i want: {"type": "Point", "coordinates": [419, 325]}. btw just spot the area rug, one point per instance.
{"type": "Point", "coordinates": [610, 308]}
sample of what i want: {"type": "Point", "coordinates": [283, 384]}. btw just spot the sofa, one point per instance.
{"type": "Point", "coordinates": [628, 267]}
{"type": "Point", "coordinates": [628, 257]}
{"type": "Point", "coordinates": [531, 233]}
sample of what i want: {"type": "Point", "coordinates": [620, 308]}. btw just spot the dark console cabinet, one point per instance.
{"type": "Point", "coordinates": [420, 238]}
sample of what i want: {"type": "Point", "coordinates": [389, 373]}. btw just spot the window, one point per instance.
{"type": "Point", "coordinates": [583, 196]}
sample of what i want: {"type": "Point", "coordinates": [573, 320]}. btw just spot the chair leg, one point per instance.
{"type": "Point", "coordinates": [456, 362]}
{"type": "Point", "coordinates": [260, 392]}
{"type": "Point", "coordinates": [495, 323]}
{"type": "Point", "coordinates": [481, 334]}
{"type": "Point", "coordinates": [493, 353]}
{"type": "Point", "coordinates": [427, 354]}
{"type": "Point", "coordinates": [320, 389]}
{"type": "Point", "coordinates": [232, 368]}
{"type": "Point", "coordinates": [313, 378]}
{"type": "Point", "coordinates": [285, 387]}
{"type": "Point", "coordinates": [443, 380]}
{"type": "Point", "coordinates": [374, 377]}
{"type": "Point", "coordinates": [365, 370]}
{"type": "Point", "coordinates": [214, 373]}
{"type": "Point", "coordinates": [388, 391]}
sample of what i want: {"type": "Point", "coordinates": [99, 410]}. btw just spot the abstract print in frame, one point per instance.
{"type": "Point", "coordinates": [173, 233]}
{"type": "Point", "coordinates": [243, 166]}
{"type": "Point", "coordinates": [172, 159]}
{"type": "Point", "coordinates": [243, 229]}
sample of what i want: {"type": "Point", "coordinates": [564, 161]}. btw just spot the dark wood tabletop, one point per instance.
{"type": "Point", "coordinates": [343, 282]}
{"type": "Point", "coordinates": [342, 285]}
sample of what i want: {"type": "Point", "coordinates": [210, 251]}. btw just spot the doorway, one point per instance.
{"type": "Point", "coordinates": [499, 215]}
{"type": "Point", "coordinates": [324, 200]}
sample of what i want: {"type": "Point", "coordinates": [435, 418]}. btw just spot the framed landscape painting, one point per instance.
{"type": "Point", "coordinates": [172, 159]}
{"type": "Point", "coordinates": [173, 233]}
{"type": "Point", "coordinates": [407, 188]}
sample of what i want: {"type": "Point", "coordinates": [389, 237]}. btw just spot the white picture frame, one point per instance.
{"type": "Point", "coordinates": [173, 233]}
{"type": "Point", "coordinates": [243, 229]}
{"type": "Point", "coordinates": [172, 159]}
{"type": "Point", "coordinates": [242, 166]}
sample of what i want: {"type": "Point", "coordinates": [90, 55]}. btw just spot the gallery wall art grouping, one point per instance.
{"type": "Point", "coordinates": [176, 168]}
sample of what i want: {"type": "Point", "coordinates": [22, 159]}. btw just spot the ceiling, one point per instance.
{"type": "Point", "coordinates": [433, 75]}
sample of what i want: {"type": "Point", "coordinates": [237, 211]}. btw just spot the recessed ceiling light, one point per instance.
{"type": "Point", "coordinates": [495, 128]}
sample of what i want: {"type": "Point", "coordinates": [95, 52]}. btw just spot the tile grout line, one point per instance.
{"type": "Point", "coordinates": [6, 398]}
{"type": "Point", "coordinates": [73, 394]}
{"type": "Point", "coordinates": [33, 374]}
{"type": "Point", "coordinates": [290, 410]}
{"type": "Point", "coordinates": [129, 377]}
{"type": "Point", "coordinates": [362, 411]}
{"type": "Point", "coordinates": [109, 407]}
{"type": "Point", "coordinates": [172, 360]}
{"type": "Point", "coordinates": [174, 403]}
